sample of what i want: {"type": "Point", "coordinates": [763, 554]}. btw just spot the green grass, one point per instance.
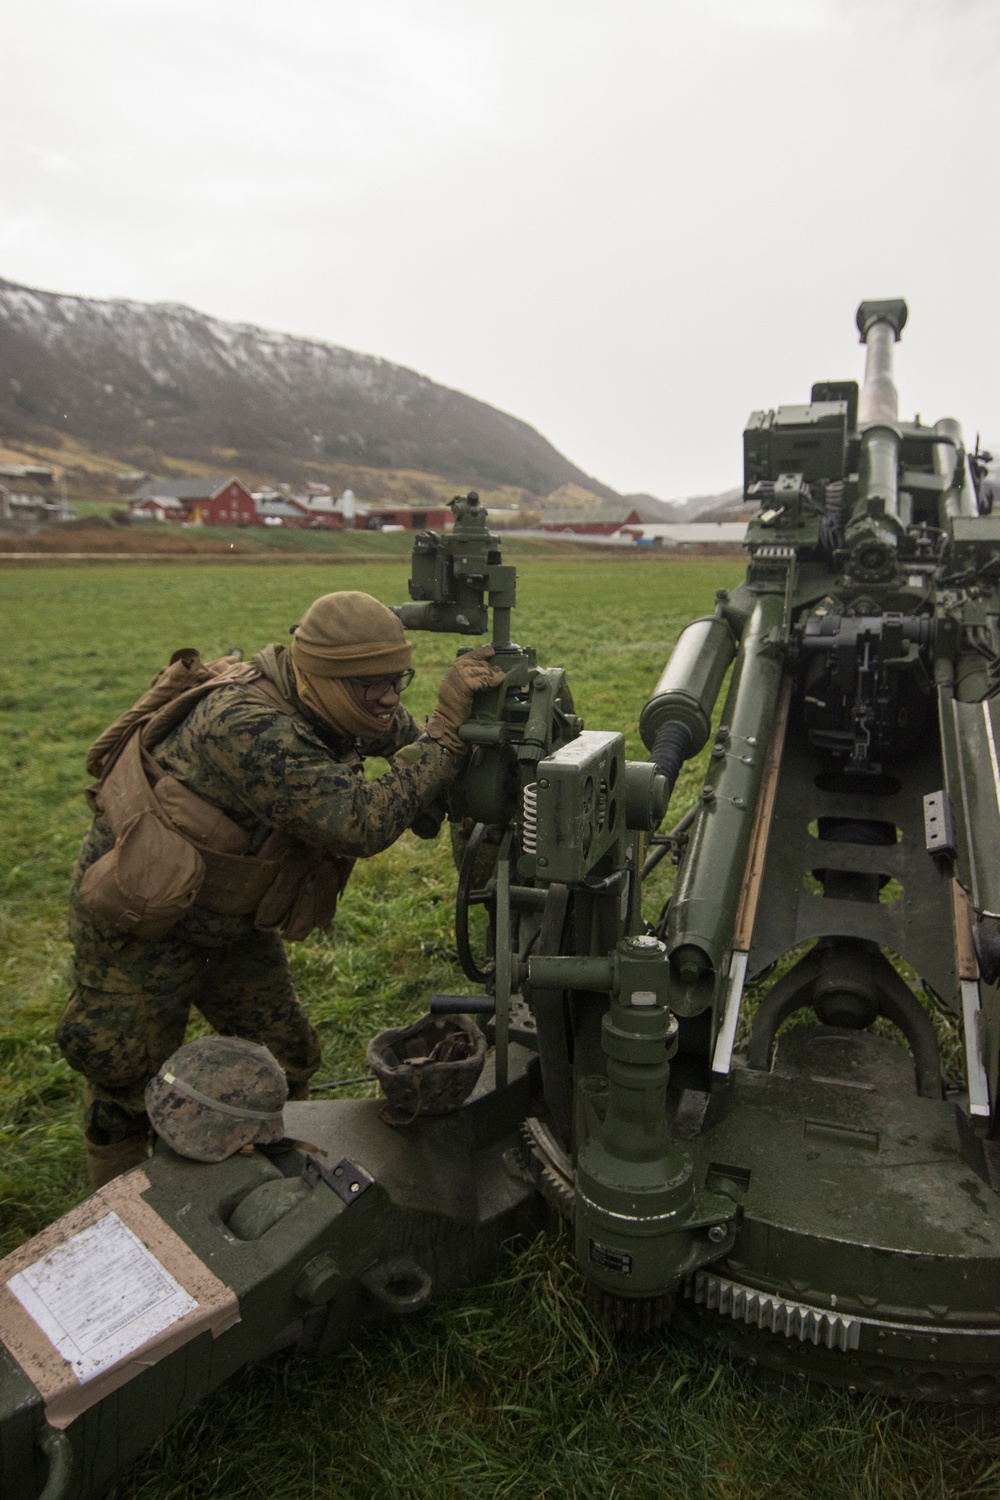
{"type": "Point", "coordinates": [508, 1389]}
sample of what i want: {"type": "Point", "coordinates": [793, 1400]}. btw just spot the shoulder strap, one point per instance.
{"type": "Point", "coordinates": [171, 697]}
{"type": "Point", "coordinates": [185, 671]}
{"type": "Point", "coordinates": [158, 724]}
{"type": "Point", "coordinates": [270, 690]}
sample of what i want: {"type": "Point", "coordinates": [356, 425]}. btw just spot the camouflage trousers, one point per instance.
{"type": "Point", "coordinates": [132, 999]}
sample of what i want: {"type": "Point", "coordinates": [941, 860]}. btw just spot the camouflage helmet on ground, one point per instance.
{"type": "Point", "coordinates": [427, 1068]}
{"type": "Point", "coordinates": [216, 1095]}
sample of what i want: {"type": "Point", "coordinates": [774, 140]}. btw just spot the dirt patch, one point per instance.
{"type": "Point", "coordinates": [103, 538]}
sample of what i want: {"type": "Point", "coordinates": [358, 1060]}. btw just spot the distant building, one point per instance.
{"type": "Point", "coordinates": [312, 507]}
{"type": "Point", "coordinates": [157, 508]}
{"type": "Point", "coordinates": [23, 500]}
{"type": "Point", "coordinates": [318, 509]}
{"type": "Point", "coordinates": [279, 510]}
{"type": "Point", "coordinates": [407, 517]}
{"type": "Point", "coordinates": [598, 520]}
{"type": "Point", "coordinates": [228, 502]}
{"type": "Point", "coordinates": [38, 473]}
{"type": "Point", "coordinates": [208, 502]}
{"type": "Point", "coordinates": [687, 533]}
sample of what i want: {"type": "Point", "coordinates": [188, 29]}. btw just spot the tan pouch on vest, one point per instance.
{"type": "Point", "coordinates": [200, 853]}
{"type": "Point", "coordinates": [146, 883]}
{"type": "Point", "coordinates": [304, 895]}
{"type": "Point", "coordinates": [315, 902]}
{"type": "Point", "coordinates": [235, 884]}
{"type": "Point", "coordinates": [232, 882]}
{"type": "Point", "coordinates": [154, 873]}
{"type": "Point", "coordinates": [197, 818]}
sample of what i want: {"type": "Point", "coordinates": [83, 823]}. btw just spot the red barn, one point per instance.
{"type": "Point", "coordinates": [409, 517]}
{"type": "Point", "coordinates": [280, 510]}
{"type": "Point", "coordinates": [211, 502]}
{"type": "Point", "coordinates": [601, 520]}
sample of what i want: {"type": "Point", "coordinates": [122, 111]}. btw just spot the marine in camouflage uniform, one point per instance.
{"type": "Point", "coordinates": [300, 772]}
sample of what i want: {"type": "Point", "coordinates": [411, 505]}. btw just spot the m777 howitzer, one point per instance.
{"type": "Point", "coordinates": [816, 1198]}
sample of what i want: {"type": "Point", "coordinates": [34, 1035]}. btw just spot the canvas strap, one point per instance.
{"type": "Point", "coordinates": [236, 1110]}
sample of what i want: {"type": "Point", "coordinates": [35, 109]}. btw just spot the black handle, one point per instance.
{"type": "Point", "coordinates": [465, 1005]}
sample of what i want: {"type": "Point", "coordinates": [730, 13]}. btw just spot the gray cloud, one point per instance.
{"type": "Point", "coordinates": [627, 224]}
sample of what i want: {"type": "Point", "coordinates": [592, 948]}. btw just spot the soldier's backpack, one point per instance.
{"type": "Point", "coordinates": [173, 847]}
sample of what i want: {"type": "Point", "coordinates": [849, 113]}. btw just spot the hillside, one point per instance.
{"type": "Point", "coordinates": [726, 506]}
{"type": "Point", "coordinates": [141, 384]}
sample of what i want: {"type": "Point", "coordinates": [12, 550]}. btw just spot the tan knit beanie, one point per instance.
{"type": "Point", "coordinates": [350, 634]}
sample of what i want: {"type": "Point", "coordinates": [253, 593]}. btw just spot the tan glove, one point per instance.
{"type": "Point", "coordinates": [468, 674]}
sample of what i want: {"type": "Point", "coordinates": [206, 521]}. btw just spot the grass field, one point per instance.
{"type": "Point", "coordinates": [508, 1389]}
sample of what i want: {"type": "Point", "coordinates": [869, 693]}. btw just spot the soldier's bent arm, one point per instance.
{"type": "Point", "coordinates": [273, 770]}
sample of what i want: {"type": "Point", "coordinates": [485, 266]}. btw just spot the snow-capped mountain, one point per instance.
{"type": "Point", "coordinates": [134, 378]}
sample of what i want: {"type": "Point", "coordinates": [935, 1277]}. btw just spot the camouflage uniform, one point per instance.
{"type": "Point", "coordinates": [266, 770]}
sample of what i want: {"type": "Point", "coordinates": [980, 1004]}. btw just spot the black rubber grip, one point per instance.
{"type": "Point", "coordinates": [466, 1005]}
{"type": "Point", "coordinates": [671, 749]}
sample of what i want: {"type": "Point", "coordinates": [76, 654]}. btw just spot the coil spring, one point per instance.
{"type": "Point", "coordinates": [529, 812]}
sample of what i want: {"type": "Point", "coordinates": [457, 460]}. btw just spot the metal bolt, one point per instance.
{"type": "Point", "coordinates": [543, 782]}
{"type": "Point", "coordinates": [739, 802]}
{"type": "Point", "coordinates": [717, 1233]}
{"type": "Point", "coordinates": [707, 793]}
{"type": "Point", "coordinates": [542, 860]}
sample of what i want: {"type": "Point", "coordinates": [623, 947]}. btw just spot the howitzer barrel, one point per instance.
{"type": "Point", "coordinates": [880, 325]}
{"type": "Point", "coordinates": [873, 531]}
{"type": "Point", "coordinates": [878, 468]}
{"type": "Point", "coordinates": [879, 399]}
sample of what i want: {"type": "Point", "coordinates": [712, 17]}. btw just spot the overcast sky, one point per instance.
{"type": "Point", "coordinates": [628, 222]}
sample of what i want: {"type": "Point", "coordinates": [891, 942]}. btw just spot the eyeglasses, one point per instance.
{"type": "Point", "coordinates": [374, 688]}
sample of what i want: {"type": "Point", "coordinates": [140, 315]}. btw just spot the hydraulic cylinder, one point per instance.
{"type": "Point", "coordinates": [689, 683]}
{"type": "Point", "coordinates": [959, 499]}
{"type": "Point", "coordinates": [706, 897]}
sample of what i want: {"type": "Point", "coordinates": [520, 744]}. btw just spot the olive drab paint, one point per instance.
{"type": "Point", "coordinates": [808, 1196]}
